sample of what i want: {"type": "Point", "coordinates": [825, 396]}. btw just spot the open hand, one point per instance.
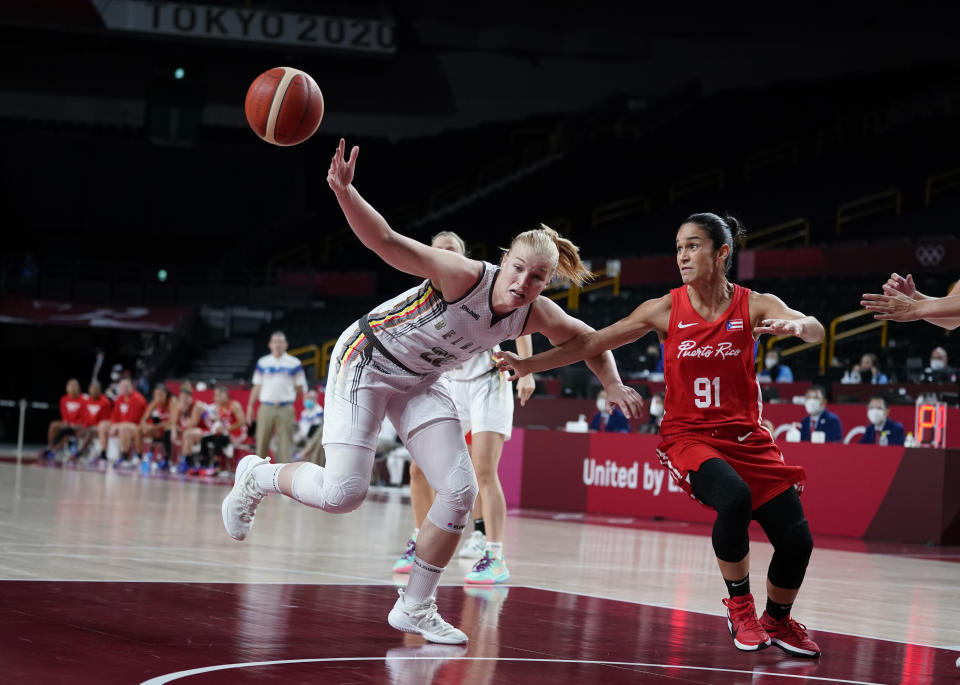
{"type": "Point", "coordinates": [897, 307]}
{"type": "Point", "coordinates": [508, 361]}
{"type": "Point", "coordinates": [340, 174]}
{"type": "Point", "coordinates": [779, 327]}
{"type": "Point", "coordinates": [898, 284]}
{"type": "Point", "coordinates": [625, 397]}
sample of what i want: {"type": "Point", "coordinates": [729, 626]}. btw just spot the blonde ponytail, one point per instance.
{"type": "Point", "coordinates": [566, 256]}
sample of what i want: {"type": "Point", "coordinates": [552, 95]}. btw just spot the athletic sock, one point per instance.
{"type": "Point", "coordinates": [778, 611]}
{"type": "Point", "coordinates": [495, 549]}
{"type": "Point", "coordinates": [738, 588]}
{"type": "Point", "coordinates": [267, 477]}
{"type": "Point", "coordinates": [478, 525]}
{"type": "Point", "coordinates": [424, 579]}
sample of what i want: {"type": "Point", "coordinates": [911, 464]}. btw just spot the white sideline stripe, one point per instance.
{"type": "Point", "coordinates": [170, 677]}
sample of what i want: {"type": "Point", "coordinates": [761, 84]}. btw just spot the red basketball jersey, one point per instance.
{"type": "Point", "coordinates": [709, 368]}
{"type": "Point", "coordinates": [71, 409]}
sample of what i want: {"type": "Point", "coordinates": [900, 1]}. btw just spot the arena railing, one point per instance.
{"type": "Point", "coordinates": [618, 209]}
{"type": "Point", "coordinates": [705, 180]}
{"type": "Point", "coordinates": [835, 337]}
{"type": "Point", "coordinates": [940, 183]}
{"type": "Point", "coordinates": [794, 230]}
{"type": "Point", "coordinates": [869, 205]}
{"type": "Point", "coordinates": [572, 293]}
{"type": "Point", "coordinates": [785, 153]}
{"type": "Point", "coordinates": [768, 344]}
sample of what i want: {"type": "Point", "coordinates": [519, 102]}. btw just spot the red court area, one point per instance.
{"type": "Point", "coordinates": [201, 634]}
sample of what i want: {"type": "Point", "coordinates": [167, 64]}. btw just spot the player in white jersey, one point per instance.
{"type": "Point", "coordinates": [484, 401]}
{"type": "Point", "coordinates": [390, 363]}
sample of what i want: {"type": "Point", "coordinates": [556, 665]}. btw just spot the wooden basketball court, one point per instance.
{"type": "Point", "coordinates": [117, 578]}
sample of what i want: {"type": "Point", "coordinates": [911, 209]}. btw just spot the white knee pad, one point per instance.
{"type": "Point", "coordinates": [314, 486]}
{"type": "Point", "coordinates": [454, 501]}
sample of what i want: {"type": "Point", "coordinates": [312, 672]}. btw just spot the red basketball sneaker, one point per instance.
{"type": "Point", "coordinates": [789, 636]}
{"type": "Point", "coordinates": [748, 634]}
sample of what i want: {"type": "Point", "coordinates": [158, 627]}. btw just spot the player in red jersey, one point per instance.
{"type": "Point", "coordinates": [71, 419]}
{"type": "Point", "coordinates": [228, 426]}
{"type": "Point", "coordinates": [128, 409]}
{"type": "Point", "coordinates": [157, 421]}
{"type": "Point", "coordinates": [713, 441]}
{"type": "Point", "coordinates": [96, 408]}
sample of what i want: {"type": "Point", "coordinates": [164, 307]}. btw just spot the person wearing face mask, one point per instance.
{"type": "Point", "coordinates": [882, 430]}
{"type": "Point", "coordinates": [819, 418]}
{"type": "Point", "coordinates": [608, 421]}
{"type": "Point", "coordinates": [652, 426]}
{"type": "Point", "coordinates": [310, 430]}
{"type": "Point", "coordinates": [939, 370]}
{"type": "Point", "coordinates": [773, 370]}
{"type": "Point", "coordinates": [867, 371]}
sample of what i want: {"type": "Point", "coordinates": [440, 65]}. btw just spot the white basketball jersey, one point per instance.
{"type": "Point", "coordinates": [429, 335]}
{"type": "Point", "coordinates": [475, 367]}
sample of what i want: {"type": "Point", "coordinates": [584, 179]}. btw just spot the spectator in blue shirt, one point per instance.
{"type": "Point", "coordinates": [609, 422]}
{"type": "Point", "coordinates": [773, 370]}
{"type": "Point", "coordinates": [819, 417]}
{"type": "Point", "coordinates": [882, 430]}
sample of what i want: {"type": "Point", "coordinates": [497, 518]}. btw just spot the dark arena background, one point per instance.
{"type": "Point", "coordinates": [150, 236]}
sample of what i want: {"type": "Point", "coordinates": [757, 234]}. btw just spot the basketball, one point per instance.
{"type": "Point", "coordinates": [284, 106]}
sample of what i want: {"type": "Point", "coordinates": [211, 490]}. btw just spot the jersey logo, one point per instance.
{"type": "Point", "coordinates": [735, 324]}
{"type": "Point", "coordinates": [681, 324]}
{"type": "Point", "coordinates": [439, 325]}
{"type": "Point", "coordinates": [741, 438]}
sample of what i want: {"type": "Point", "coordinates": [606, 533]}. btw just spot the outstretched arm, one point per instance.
{"type": "Point", "coordinates": [587, 343]}
{"type": "Point", "coordinates": [453, 273]}
{"type": "Point", "coordinates": [897, 288]}
{"type": "Point", "coordinates": [771, 315]}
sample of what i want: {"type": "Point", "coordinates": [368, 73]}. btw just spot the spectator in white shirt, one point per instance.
{"type": "Point", "coordinates": [277, 382]}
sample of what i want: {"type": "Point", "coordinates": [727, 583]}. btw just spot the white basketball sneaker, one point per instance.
{"type": "Point", "coordinates": [423, 619]}
{"type": "Point", "coordinates": [474, 547]}
{"type": "Point", "coordinates": [239, 506]}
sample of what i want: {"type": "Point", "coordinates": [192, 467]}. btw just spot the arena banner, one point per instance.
{"type": "Point", "coordinates": [860, 491]}
{"type": "Point", "coordinates": [623, 475]}
{"type": "Point", "coordinates": [24, 310]}
{"type": "Point", "coordinates": [255, 25]}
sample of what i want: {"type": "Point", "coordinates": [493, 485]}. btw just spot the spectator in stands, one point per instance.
{"type": "Point", "coordinates": [96, 408]}
{"type": "Point", "coordinates": [867, 371]}
{"type": "Point", "coordinates": [157, 420]}
{"type": "Point", "coordinates": [606, 420]}
{"type": "Point", "coordinates": [70, 423]}
{"type": "Point", "coordinates": [310, 430]}
{"type": "Point", "coordinates": [652, 425]}
{"type": "Point", "coordinates": [277, 382]}
{"type": "Point", "coordinates": [939, 370]}
{"type": "Point", "coordinates": [882, 430]}
{"type": "Point", "coordinates": [650, 360]}
{"type": "Point", "coordinates": [228, 426]}
{"type": "Point", "coordinates": [819, 418]}
{"type": "Point", "coordinates": [128, 409]}
{"type": "Point", "coordinates": [773, 370]}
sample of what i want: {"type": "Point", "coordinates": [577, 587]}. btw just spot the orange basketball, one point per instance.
{"type": "Point", "coordinates": [284, 106]}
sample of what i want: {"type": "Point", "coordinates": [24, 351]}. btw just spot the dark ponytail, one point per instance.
{"type": "Point", "coordinates": [726, 230]}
